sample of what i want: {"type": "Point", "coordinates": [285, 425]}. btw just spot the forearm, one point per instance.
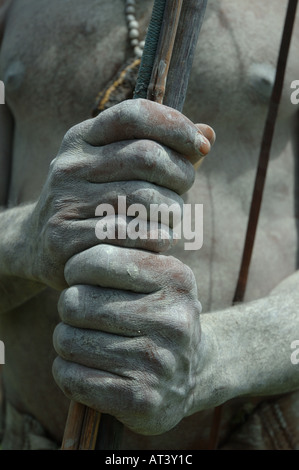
{"type": "Point", "coordinates": [249, 348]}
{"type": "Point", "coordinates": [16, 282]}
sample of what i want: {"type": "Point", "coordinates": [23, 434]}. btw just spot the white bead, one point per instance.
{"type": "Point", "coordinates": [134, 24]}
{"type": "Point", "coordinates": [130, 18]}
{"type": "Point", "coordinates": [133, 33]}
{"type": "Point", "coordinates": [133, 28]}
{"type": "Point", "coordinates": [138, 51]}
{"type": "Point", "coordinates": [130, 10]}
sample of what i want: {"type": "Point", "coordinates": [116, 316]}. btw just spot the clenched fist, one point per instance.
{"type": "Point", "coordinates": [130, 341]}
{"type": "Point", "coordinates": [137, 149]}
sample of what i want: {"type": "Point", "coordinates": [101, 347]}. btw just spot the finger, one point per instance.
{"type": "Point", "coordinates": [97, 389]}
{"type": "Point", "coordinates": [103, 351]}
{"type": "Point", "coordinates": [79, 235]}
{"type": "Point", "coordinates": [208, 132]}
{"type": "Point", "coordinates": [112, 311]}
{"type": "Point", "coordinates": [120, 196]}
{"type": "Point", "coordinates": [144, 119]}
{"type": "Point", "coordinates": [132, 400]}
{"type": "Point", "coordinates": [125, 313]}
{"type": "Point", "coordinates": [128, 269]}
{"type": "Point", "coordinates": [125, 232]}
{"type": "Point", "coordinates": [144, 160]}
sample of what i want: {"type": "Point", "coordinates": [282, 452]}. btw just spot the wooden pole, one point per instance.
{"type": "Point", "coordinates": [168, 85]}
{"type": "Point", "coordinates": [81, 428]}
{"type": "Point", "coordinates": [157, 87]}
{"type": "Point", "coordinates": [191, 20]}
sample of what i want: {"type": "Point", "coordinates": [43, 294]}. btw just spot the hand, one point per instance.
{"type": "Point", "coordinates": [129, 344]}
{"type": "Point", "coordinates": [137, 149]}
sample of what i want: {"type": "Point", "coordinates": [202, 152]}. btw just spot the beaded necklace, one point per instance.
{"type": "Point", "coordinates": [133, 28]}
{"type": "Point", "coordinates": [122, 85]}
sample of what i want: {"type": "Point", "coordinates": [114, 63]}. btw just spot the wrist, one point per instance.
{"type": "Point", "coordinates": [16, 247]}
{"type": "Point", "coordinates": [17, 284]}
{"type": "Point", "coordinates": [242, 358]}
{"type": "Point", "coordinates": [213, 380]}
{"type": "Point", "coordinates": [15, 244]}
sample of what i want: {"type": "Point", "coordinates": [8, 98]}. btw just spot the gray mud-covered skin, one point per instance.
{"type": "Point", "coordinates": [145, 334]}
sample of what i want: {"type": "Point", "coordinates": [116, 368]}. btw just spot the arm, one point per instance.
{"type": "Point", "coordinates": [252, 344]}
{"type": "Point", "coordinates": [14, 288]}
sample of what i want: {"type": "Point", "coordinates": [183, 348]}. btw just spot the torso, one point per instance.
{"type": "Point", "coordinates": [55, 58]}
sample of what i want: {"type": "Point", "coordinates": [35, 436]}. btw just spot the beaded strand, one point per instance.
{"type": "Point", "coordinates": [133, 28]}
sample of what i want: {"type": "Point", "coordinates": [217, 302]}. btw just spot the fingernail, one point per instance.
{"type": "Point", "coordinates": [203, 144]}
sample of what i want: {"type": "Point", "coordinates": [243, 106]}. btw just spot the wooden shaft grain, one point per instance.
{"type": "Point", "coordinates": [191, 20]}
{"type": "Point", "coordinates": [81, 428]}
{"type": "Point", "coordinates": [157, 86]}
{"type": "Point", "coordinates": [89, 429]}
{"type": "Point", "coordinates": [73, 427]}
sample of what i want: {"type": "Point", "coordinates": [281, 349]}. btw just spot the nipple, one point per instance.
{"type": "Point", "coordinates": [14, 76]}
{"type": "Point", "coordinates": [261, 80]}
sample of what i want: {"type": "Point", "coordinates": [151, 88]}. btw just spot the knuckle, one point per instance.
{"type": "Point", "coordinates": [151, 405]}
{"type": "Point", "coordinates": [69, 162]}
{"type": "Point", "coordinates": [150, 148]}
{"type": "Point", "coordinates": [129, 112]}
{"type": "Point", "coordinates": [64, 376]}
{"type": "Point", "coordinates": [61, 339]}
{"type": "Point", "coordinates": [72, 137]}
{"type": "Point", "coordinates": [59, 169]}
{"type": "Point", "coordinates": [166, 363]}
{"type": "Point", "coordinates": [68, 304]}
{"type": "Point", "coordinates": [161, 201]}
{"type": "Point", "coordinates": [147, 400]}
{"type": "Point", "coordinates": [63, 169]}
{"type": "Point", "coordinates": [156, 160]}
{"type": "Point", "coordinates": [106, 252]}
{"type": "Point", "coordinates": [180, 274]}
{"type": "Point", "coordinates": [159, 360]}
{"type": "Point", "coordinates": [188, 276]}
{"type": "Point", "coordinates": [148, 154]}
{"type": "Point", "coordinates": [167, 166]}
